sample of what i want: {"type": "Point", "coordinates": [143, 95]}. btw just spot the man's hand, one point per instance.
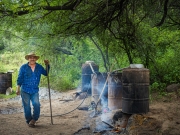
{"type": "Point", "coordinates": [46, 62]}
{"type": "Point", "coordinates": [18, 90]}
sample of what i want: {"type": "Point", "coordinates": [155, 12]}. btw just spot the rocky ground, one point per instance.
{"type": "Point", "coordinates": [162, 119]}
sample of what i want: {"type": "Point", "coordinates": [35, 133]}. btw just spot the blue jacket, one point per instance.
{"type": "Point", "coordinates": [29, 80]}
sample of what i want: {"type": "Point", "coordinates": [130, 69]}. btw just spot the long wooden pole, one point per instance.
{"type": "Point", "coordinates": [49, 93]}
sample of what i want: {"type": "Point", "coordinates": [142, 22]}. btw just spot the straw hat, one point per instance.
{"type": "Point", "coordinates": [31, 54]}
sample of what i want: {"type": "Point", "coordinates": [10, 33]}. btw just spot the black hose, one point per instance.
{"type": "Point", "coordinates": [71, 110]}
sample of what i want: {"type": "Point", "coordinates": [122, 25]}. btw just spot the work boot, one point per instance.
{"type": "Point", "coordinates": [32, 123]}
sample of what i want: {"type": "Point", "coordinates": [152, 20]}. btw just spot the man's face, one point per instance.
{"type": "Point", "coordinates": [32, 60]}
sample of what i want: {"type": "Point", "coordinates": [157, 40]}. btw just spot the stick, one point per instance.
{"type": "Point", "coordinates": [92, 68]}
{"type": "Point", "coordinates": [111, 126]}
{"type": "Point", "coordinates": [49, 92]}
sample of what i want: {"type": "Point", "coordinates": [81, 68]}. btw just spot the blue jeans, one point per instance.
{"type": "Point", "coordinates": [34, 98]}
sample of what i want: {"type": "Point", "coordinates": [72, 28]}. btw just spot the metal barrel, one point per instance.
{"type": "Point", "coordinates": [135, 96]}
{"type": "Point", "coordinates": [5, 82]}
{"type": "Point", "coordinates": [115, 91]}
{"type": "Point", "coordinates": [86, 75]}
{"type": "Point", "coordinates": [97, 85]}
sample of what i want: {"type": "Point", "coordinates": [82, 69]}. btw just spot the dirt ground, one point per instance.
{"type": "Point", "coordinates": [162, 119]}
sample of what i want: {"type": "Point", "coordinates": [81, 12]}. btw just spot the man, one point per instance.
{"type": "Point", "coordinates": [28, 85]}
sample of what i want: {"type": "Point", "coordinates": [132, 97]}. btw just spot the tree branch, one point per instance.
{"type": "Point", "coordinates": [13, 34]}
{"type": "Point", "coordinates": [100, 51]}
{"type": "Point", "coordinates": [70, 5]}
{"type": "Point", "coordinates": [59, 49]}
{"type": "Point", "coordinates": [165, 13]}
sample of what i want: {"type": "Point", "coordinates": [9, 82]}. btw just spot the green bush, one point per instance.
{"type": "Point", "coordinates": [155, 87]}
{"type": "Point", "coordinates": [62, 84]}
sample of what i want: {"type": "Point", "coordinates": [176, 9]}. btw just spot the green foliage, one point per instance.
{"type": "Point", "coordinates": [158, 88]}
{"type": "Point", "coordinates": [121, 37]}
{"type": "Point", "coordinates": [155, 87]}
{"type": "Point", "coordinates": [63, 84]}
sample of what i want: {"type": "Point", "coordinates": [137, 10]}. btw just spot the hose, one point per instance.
{"type": "Point", "coordinates": [71, 110]}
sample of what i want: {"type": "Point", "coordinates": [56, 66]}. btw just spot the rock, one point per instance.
{"type": "Point", "coordinates": [120, 119]}
{"type": "Point", "coordinates": [9, 91]}
{"type": "Point", "coordinates": [80, 96]}
{"type": "Point", "coordinates": [118, 114]}
{"type": "Point", "coordinates": [172, 87]}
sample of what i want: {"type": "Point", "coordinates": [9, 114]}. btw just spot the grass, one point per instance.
{"type": "Point", "coordinates": [4, 96]}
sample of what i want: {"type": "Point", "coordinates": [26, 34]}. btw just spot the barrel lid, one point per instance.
{"type": "Point", "coordinates": [136, 66]}
{"type": "Point", "coordinates": [10, 71]}
{"type": "Point", "coordinates": [135, 69]}
{"type": "Point", "coordinates": [87, 62]}
{"type": "Point", "coordinates": [2, 73]}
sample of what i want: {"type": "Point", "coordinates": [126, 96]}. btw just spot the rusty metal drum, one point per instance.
{"type": "Point", "coordinates": [135, 96]}
{"type": "Point", "coordinates": [115, 91]}
{"type": "Point", "coordinates": [86, 75]}
{"type": "Point", "coordinates": [97, 85]}
{"type": "Point", "coordinates": [5, 82]}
